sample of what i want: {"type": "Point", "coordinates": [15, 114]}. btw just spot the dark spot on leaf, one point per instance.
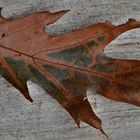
{"type": "Point", "coordinates": [70, 54]}
{"type": "Point", "coordinates": [18, 67]}
{"type": "Point", "coordinates": [83, 61]}
{"type": "Point", "coordinates": [52, 89]}
{"type": "Point", "coordinates": [109, 68]}
{"type": "Point", "coordinates": [102, 84]}
{"type": "Point", "coordinates": [101, 38]}
{"type": "Point", "coordinates": [73, 86]}
{"type": "Point", "coordinates": [59, 74]}
{"type": "Point", "coordinates": [78, 55]}
{"type": "Point", "coordinates": [81, 76]}
{"type": "Point", "coordinates": [3, 35]}
{"type": "Point", "coordinates": [91, 43]}
{"type": "Point", "coordinates": [4, 73]}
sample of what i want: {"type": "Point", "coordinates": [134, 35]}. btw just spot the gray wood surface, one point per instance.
{"type": "Point", "coordinates": [45, 119]}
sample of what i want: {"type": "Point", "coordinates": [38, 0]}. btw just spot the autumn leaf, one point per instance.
{"type": "Point", "coordinates": [68, 64]}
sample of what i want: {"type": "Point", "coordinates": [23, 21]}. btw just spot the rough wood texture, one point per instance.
{"type": "Point", "coordinates": [45, 119]}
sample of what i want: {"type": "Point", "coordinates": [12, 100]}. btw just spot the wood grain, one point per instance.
{"type": "Point", "coordinates": [45, 119]}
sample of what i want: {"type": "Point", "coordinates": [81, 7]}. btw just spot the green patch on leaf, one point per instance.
{"type": "Point", "coordinates": [4, 73]}
{"type": "Point", "coordinates": [91, 43]}
{"type": "Point", "coordinates": [18, 67]}
{"type": "Point", "coordinates": [78, 55]}
{"type": "Point", "coordinates": [101, 38]}
{"type": "Point", "coordinates": [59, 74]}
{"type": "Point", "coordinates": [49, 86]}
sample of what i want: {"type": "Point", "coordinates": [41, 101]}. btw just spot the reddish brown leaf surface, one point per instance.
{"type": "Point", "coordinates": [67, 65]}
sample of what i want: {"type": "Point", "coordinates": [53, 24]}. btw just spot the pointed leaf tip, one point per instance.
{"type": "Point", "coordinates": [63, 12]}
{"type": "Point", "coordinates": [27, 95]}
{"type": "Point", "coordinates": [30, 99]}
{"type": "Point", "coordinates": [103, 132]}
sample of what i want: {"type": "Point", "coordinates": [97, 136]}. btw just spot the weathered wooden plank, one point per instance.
{"type": "Point", "coordinates": [82, 12]}
{"type": "Point", "coordinates": [45, 119]}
